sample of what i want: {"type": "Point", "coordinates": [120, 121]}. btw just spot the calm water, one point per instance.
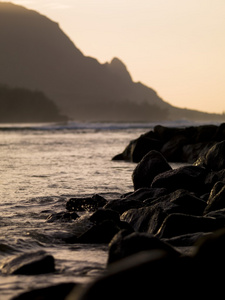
{"type": "Point", "coordinates": [43, 166]}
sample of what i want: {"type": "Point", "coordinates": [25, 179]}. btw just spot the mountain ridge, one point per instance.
{"type": "Point", "coordinates": [36, 54]}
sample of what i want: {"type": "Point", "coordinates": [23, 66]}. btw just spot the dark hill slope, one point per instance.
{"type": "Point", "coordinates": [36, 54]}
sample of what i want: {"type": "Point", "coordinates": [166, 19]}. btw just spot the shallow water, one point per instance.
{"type": "Point", "coordinates": [41, 168]}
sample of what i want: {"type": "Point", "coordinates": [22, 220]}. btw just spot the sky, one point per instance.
{"type": "Point", "coordinates": [176, 47]}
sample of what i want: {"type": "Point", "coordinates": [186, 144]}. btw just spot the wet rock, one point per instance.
{"type": "Point", "coordinates": [121, 247]}
{"type": "Point", "coordinates": [185, 240]}
{"type": "Point", "coordinates": [103, 215]}
{"type": "Point", "coordinates": [122, 205]}
{"type": "Point", "coordinates": [150, 218]}
{"type": "Point", "coordinates": [190, 178]}
{"type": "Point", "coordinates": [179, 224]}
{"type": "Point", "coordinates": [59, 292]}
{"type": "Point", "coordinates": [217, 198]}
{"type": "Point", "coordinates": [142, 275]}
{"type": "Point", "coordinates": [31, 263]}
{"type": "Point", "coordinates": [214, 158]}
{"type": "Point", "coordinates": [139, 147]}
{"type": "Point", "coordinates": [62, 217]}
{"type": "Point", "coordinates": [100, 233]}
{"type": "Point", "coordinates": [87, 203]}
{"type": "Point", "coordinates": [143, 194]}
{"type": "Point", "coordinates": [150, 166]}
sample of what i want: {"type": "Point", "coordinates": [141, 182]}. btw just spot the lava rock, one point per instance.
{"type": "Point", "coordinates": [178, 224]}
{"type": "Point", "coordinates": [190, 178]}
{"type": "Point", "coordinates": [121, 247]}
{"type": "Point", "coordinates": [150, 166]}
{"type": "Point", "coordinates": [217, 198]}
{"type": "Point", "coordinates": [88, 203]}
{"type": "Point", "coordinates": [214, 158]}
{"type": "Point", "coordinates": [31, 263]}
{"type": "Point", "coordinates": [62, 217]}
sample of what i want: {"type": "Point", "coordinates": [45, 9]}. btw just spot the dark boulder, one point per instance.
{"type": "Point", "coordinates": [32, 263]}
{"type": "Point", "coordinates": [214, 159]}
{"type": "Point", "coordinates": [121, 247]}
{"type": "Point", "coordinates": [86, 203]}
{"type": "Point", "coordinates": [57, 292]}
{"type": "Point", "coordinates": [185, 240]}
{"type": "Point", "coordinates": [101, 215]}
{"type": "Point", "coordinates": [150, 166]}
{"type": "Point", "coordinates": [101, 233]}
{"type": "Point", "coordinates": [190, 178]}
{"type": "Point", "coordinates": [139, 147]}
{"type": "Point", "coordinates": [173, 149]}
{"type": "Point", "coordinates": [217, 198]}
{"type": "Point", "coordinates": [122, 205]}
{"type": "Point", "coordinates": [62, 217]}
{"type": "Point", "coordinates": [144, 275]}
{"type": "Point", "coordinates": [143, 194]}
{"type": "Point", "coordinates": [150, 218]}
{"type": "Point", "coordinates": [179, 224]}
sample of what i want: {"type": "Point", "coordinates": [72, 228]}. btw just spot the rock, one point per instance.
{"type": "Point", "coordinates": [173, 149]}
{"type": "Point", "coordinates": [105, 215]}
{"type": "Point", "coordinates": [143, 194]}
{"type": "Point", "coordinates": [217, 198]}
{"type": "Point", "coordinates": [190, 178]}
{"type": "Point", "coordinates": [100, 233]}
{"type": "Point", "coordinates": [88, 203]}
{"type": "Point", "coordinates": [32, 263]}
{"type": "Point", "coordinates": [214, 158]}
{"type": "Point", "coordinates": [150, 218]}
{"type": "Point", "coordinates": [122, 205]}
{"type": "Point", "coordinates": [178, 224]}
{"type": "Point", "coordinates": [139, 147]}
{"type": "Point", "coordinates": [62, 217]}
{"type": "Point", "coordinates": [142, 275]}
{"type": "Point", "coordinates": [185, 240]}
{"type": "Point", "coordinates": [150, 166]}
{"type": "Point", "coordinates": [121, 247]}
{"type": "Point", "coordinates": [57, 292]}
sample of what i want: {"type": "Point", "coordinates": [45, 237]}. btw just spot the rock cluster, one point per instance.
{"type": "Point", "coordinates": [175, 144]}
{"type": "Point", "coordinates": [167, 237]}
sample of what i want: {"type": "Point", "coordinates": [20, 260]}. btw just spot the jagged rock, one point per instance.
{"type": "Point", "coordinates": [62, 217]}
{"type": "Point", "coordinates": [87, 203]}
{"type": "Point", "coordinates": [190, 178]}
{"type": "Point", "coordinates": [214, 159]}
{"type": "Point", "coordinates": [122, 205]}
{"type": "Point", "coordinates": [178, 224]}
{"type": "Point", "coordinates": [217, 198]}
{"type": "Point", "coordinates": [31, 263]}
{"type": "Point", "coordinates": [123, 246]}
{"type": "Point", "coordinates": [150, 166]}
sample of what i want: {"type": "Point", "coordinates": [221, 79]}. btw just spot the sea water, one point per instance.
{"type": "Point", "coordinates": [41, 167]}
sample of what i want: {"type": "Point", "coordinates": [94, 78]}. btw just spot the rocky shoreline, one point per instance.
{"type": "Point", "coordinates": [166, 238]}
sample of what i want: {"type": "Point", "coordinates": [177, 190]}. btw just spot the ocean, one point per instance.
{"type": "Point", "coordinates": [41, 167]}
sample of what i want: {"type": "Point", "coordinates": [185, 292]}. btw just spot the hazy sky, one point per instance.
{"type": "Point", "coordinates": [177, 47]}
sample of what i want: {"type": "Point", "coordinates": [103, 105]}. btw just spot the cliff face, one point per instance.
{"type": "Point", "coordinates": [36, 54]}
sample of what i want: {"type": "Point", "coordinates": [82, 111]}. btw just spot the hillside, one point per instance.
{"type": "Point", "coordinates": [36, 54]}
{"type": "Point", "coordinates": [22, 105]}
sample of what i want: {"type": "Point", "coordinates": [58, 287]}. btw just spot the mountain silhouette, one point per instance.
{"type": "Point", "coordinates": [36, 54]}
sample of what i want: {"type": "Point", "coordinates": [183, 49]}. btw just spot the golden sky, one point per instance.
{"type": "Point", "coordinates": [177, 47]}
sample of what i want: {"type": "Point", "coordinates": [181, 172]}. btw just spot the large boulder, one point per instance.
{"type": "Point", "coordinates": [86, 203]}
{"type": "Point", "coordinates": [31, 263]}
{"type": "Point", "coordinates": [190, 178]}
{"type": "Point", "coordinates": [150, 166]}
{"type": "Point", "coordinates": [123, 246]}
{"type": "Point", "coordinates": [214, 159]}
{"type": "Point", "coordinates": [216, 199]}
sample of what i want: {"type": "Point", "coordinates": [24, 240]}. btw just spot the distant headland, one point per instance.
{"type": "Point", "coordinates": [36, 55]}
